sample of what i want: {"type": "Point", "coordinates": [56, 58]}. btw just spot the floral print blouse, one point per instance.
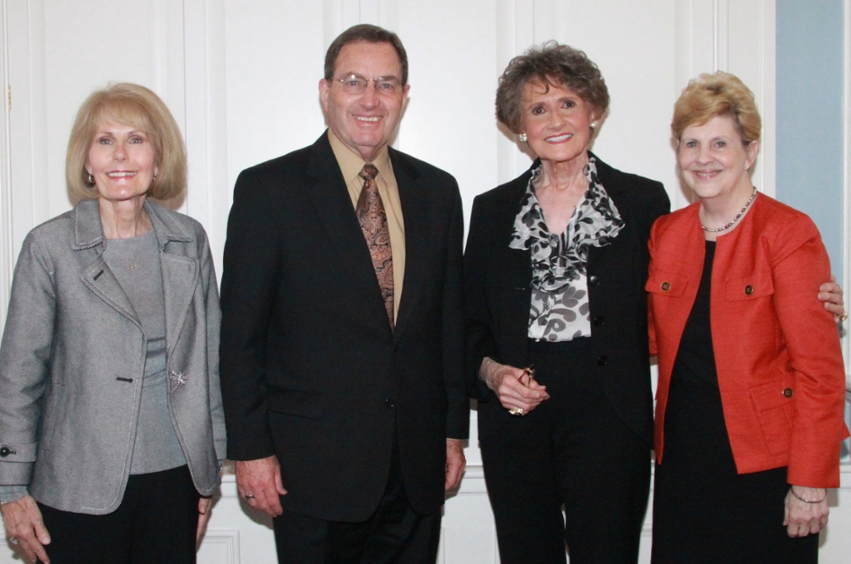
{"type": "Point", "coordinates": [559, 310]}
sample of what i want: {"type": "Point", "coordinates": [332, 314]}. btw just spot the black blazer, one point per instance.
{"type": "Point", "coordinates": [498, 293]}
{"type": "Point", "coordinates": [311, 371]}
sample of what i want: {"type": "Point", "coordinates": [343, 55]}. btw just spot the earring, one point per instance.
{"type": "Point", "coordinates": [91, 179]}
{"type": "Point", "coordinates": [522, 137]}
{"type": "Point", "coordinates": [593, 125]}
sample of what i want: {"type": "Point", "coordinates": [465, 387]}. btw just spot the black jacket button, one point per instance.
{"type": "Point", "coordinates": [5, 451]}
{"type": "Point", "coordinates": [749, 289]}
{"type": "Point", "coordinates": [594, 280]}
{"type": "Point", "coordinates": [787, 392]}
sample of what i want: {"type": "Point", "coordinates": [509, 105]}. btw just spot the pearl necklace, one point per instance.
{"type": "Point", "coordinates": [735, 219]}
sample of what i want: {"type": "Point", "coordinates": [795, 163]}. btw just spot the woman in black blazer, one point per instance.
{"type": "Point", "coordinates": [556, 321]}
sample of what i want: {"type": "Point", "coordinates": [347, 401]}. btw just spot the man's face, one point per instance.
{"type": "Point", "coordinates": [364, 121]}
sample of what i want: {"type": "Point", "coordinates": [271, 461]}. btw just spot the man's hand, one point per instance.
{"type": "Point", "coordinates": [259, 484]}
{"type": "Point", "coordinates": [455, 463]}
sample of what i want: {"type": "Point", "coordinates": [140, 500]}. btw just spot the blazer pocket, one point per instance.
{"type": "Point", "coordinates": [296, 402]}
{"type": "Point", "coordinates": [774, 404]}
{"type": "Point", "coordinates": [756, 285]}
{"type": "Point", "coordinates": [666, 283]}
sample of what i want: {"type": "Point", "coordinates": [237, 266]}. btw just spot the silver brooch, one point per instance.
{"type": "Point", "coordinates": [177, 379]}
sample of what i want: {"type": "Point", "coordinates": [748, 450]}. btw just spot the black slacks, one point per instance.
{"type": "Point", "coordinates": [394, 534]}
{"type": "Point", "coordinates": [704, 511]}
{"type": "Point", "coordinates": [155, 523]}
{"type": "Point", "coordinates": [573, 451]}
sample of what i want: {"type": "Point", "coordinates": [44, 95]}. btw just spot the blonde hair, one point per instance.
{"type": "Point", "coordinates": [711, 95]}
{"type": "Point", "coordinates": [138, 107]}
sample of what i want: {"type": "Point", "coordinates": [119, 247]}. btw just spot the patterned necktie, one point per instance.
{"type": "Point", "coordinates": [373, 223]}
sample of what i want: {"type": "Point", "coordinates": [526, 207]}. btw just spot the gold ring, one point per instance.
{"type": "Point", "coordinates": [13, 540]}
{"type": "Point", "coordinates": [844, 316]}
{"type": "Point", "coordinates": [519, 411]}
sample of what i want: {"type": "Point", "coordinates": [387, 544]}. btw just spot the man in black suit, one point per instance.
{"type": "Point", "coordinates": [342, 331]}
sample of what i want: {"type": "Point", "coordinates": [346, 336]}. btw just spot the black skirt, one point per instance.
{"type": "Point", "coordinates": [703, 510]}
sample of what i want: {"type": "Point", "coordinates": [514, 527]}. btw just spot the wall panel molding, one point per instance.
{"type": "Point", "coordinates": [7, 258]}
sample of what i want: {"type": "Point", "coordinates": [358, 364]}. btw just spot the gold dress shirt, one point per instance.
{"type": "Point", "coordinates": [351, 165]}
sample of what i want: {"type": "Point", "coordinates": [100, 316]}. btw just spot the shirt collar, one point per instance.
{"type": "Point", "coordinates": [351, 163]}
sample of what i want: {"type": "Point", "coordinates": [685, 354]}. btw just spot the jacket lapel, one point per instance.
{"type": "Point", "coordinates": [333, 206]}
{"type": "Point", "coordinates": [180, 272]}
{"type": "Point", "coordinates": [88, 234]}
{"type": "Point", "coordinates": [415, 210]}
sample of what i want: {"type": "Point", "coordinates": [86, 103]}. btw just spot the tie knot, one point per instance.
{"type": "Point", "coordinates": [368, 172]}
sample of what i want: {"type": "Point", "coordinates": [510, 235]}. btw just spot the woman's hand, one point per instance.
{"type": "Point", "coordinates": [23, 523]}
{"type": "Point", "coordinates": [515, 387]}
{"type": "Point", "coordinates": [203, 516]}
{"type": "Point", "coordinates": [803, 517]}
{"type": "Point", "coordinates": [830, 293]}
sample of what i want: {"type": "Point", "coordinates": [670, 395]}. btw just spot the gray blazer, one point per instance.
{"type": "Point", "coordinates": [73, 357]}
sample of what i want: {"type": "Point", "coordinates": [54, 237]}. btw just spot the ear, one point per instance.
{"type": "Point", "coordinates": [324, 93]}
{"type": "Point", "coordinates": [751, 151]}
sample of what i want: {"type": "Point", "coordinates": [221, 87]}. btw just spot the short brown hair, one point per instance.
{"type": "Point", "coordinates": [138, 107]}
{"type": "Point", "coordinates": [711, 95]}
{"type": "Point", "coordinates": [552, 63]}
{"type": "Point", "coordinates": [370, 34]}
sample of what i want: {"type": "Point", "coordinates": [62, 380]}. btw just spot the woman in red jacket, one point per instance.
{"type": "Point", "coordinates": [749, 414]}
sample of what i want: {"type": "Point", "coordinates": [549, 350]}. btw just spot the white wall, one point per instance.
{"type": "Point", "coordinates": [241, 78]}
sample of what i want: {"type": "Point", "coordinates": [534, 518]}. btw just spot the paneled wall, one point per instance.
{"type": "Point", "coordinates": [241, 77]}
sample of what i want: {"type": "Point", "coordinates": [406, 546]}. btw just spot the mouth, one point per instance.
{"type": "Point", "coordinates": [368, 119]}
{"type": "Point", "coordinates": [121, 174]}
{"type": "Point", "coordinates": [706, 174]}
{"type": "Point", "coordinates": [559, 138]}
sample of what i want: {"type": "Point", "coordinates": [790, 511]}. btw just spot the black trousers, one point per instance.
{"type": "Point", "coordinates": [394, 534]}
{"type": "Point", "coordinates": [155, 523]}
{"type": "Point", "coordinates": [573, 451]}
{"type": "Point", "coordinates": [704, 511]}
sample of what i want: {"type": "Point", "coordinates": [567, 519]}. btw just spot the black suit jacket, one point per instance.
{"type": "Point", "coordinates": [498, 294]}
{"type": "Point", "coordinates": [311, 371]}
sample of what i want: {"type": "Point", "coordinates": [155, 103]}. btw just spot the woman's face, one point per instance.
{"type": "Point", "coordinates": [122, 161]}
{"type": "Point", "coordinates": [556, 121]}
{"type": "Point", "coordinates": [714, 160]}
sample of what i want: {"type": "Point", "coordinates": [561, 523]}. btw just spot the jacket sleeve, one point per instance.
{"type": "Point", "coordinates": [480, 340]}
{"type": "Point", "coordinates": [458, 412]}
{"type": "Point", "coordinates": [799, 264]}
{"type": "Point", "coordinates": [214, 318]}
{"type": "Point", "coordinates": [250, 280]}
{"type": "Point", "coordinates": [25, 356]}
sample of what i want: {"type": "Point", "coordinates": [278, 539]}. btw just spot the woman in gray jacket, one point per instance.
{"type": "Point", "coordinates": [111, 424]}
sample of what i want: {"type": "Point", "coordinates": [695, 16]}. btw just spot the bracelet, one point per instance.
{"type": "Point", "coordinates": [791, 489]}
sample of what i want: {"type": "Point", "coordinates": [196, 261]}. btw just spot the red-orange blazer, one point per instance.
{"type": "Point", "coordinates": [777, 353]}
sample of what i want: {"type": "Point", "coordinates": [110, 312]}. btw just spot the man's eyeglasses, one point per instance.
{"type": "Point", "coordinates": [356, 84]}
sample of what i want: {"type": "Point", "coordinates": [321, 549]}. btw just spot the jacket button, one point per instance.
{"type": "Point", "coordinates": [5, 451]}
{"type": "Point", "coordinates": [787, 392]}
{"type": "Point", "coordinates": [602, 360]}
{"type": "Point", "coordinates": [389, 403]}
{"type": "Point", "coordinates": [599, 321]}
{"type": "Point", "coordinates": [749, 289]}
{"type": "Point", "coordinates": [666, 286]}
{"type": "Point", "coordinates": [594, 280]}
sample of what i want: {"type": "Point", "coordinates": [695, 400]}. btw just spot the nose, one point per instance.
{"type": "Point", "coordinates": [120, 152]}
{"type": "Point", "coordinates": [370, 96]}
{"type": "Point", "coordinates": [704, 155]}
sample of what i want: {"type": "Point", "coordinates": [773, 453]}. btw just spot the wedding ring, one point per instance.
{"type": "Point", "coordinates": [844, 316]}
{"type": "Point", "coordinates": [519, 411]}
{"type": "Point", "coordinates": [13, 540]}
{"type": "Point", "coordinates": [249, 497]}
